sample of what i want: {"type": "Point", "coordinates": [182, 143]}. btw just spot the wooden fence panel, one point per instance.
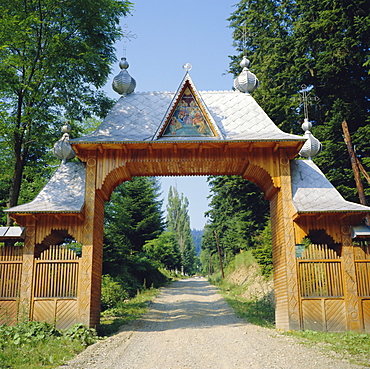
{"type": "Point", "coordinates": [56, 286]}
{"type": "Point", "coordinates": [321, 286]}
{"type": "Point", "coordinates": [313, 317]}
{"type": "Point", "coordinates": [366, 314]}
{"type": "Point", "coordinates": [362, 266]}
{"type": "Point", "coordinates": [10, 279]}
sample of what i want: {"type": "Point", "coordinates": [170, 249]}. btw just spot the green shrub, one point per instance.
{"type": "Point", "coordinates": [112, 293]}
{"type": "Point", "coordinates": [78, 332]}
{"type": "Point", "coordinates": [39, 344]}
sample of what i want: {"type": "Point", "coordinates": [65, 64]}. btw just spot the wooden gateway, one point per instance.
{"type": "Point", "coordinates": [325, 286]}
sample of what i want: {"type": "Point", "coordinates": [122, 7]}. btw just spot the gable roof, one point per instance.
{"type": "Point", "coordinates": [187, 115]}
{"type": "Point", "coordinates": [142, 117]}
{"type": "Point", "coordinates": [312, 192]}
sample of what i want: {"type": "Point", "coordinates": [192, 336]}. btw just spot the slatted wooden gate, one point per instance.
{"type": "Point", "coordinates": [362, 266]}
{"type": "Point", "coordinates": [10, 278]}
{"type": "Point", "coordinates": [322, 290]}
{"type": "Point", "coordinates": [56, 286]}
{"type": "Point", "coordinates": [320, 276]}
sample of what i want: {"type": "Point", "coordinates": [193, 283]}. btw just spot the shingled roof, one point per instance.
{"type": "Point", "coordinates": [141, 117]}
{"type": "Point", "coordinates": [313, 193]}
{"type": "Point", "coordinates": [138, 116]}
{"type": "Point", "coordinates": [64, 193]}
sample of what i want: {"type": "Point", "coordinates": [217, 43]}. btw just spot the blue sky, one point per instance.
{"type": "Point", "coordinates": [169, 34]}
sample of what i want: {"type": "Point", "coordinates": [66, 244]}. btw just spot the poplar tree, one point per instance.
{"type": "Point", "coordinates": [178, 222]}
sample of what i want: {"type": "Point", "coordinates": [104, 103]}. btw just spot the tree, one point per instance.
{"type": "Point", "coordinates": [53, 58]}
{"type": "Point", "coordinates": [132, 217]}
{"type": "Point", "coordinates": [178, 222]}
{"type": "Point", "coordinates": [134, 212]}
{"type": "Point", "coordinates": [165, 250]}
{"type": "Point", "coordinates": [320, 44]}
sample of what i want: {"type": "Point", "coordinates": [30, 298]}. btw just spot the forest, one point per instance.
{"type": "Point", "coordinates": [52, 73]}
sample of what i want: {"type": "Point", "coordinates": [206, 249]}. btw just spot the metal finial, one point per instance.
{"type": "Point", "coordinates": [187, 67]}
{"type": "Point", "coordinates": [312, 146]}
{"type": "Point", "coordinates": [243, 34]}
{"type": "Point", "coordinates": [127, 36]}
{"type": "Point", "coordinates": [246, 81]}
{"type": "Point", "coordinates": [123, 83]}
{"type": "Point", "coordinates": [62, 148]}
{"type": "Point", "coordinates": [305, 98]}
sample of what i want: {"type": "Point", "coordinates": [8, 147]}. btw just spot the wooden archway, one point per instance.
{"type": "Point", "coordinates": [136, 140]}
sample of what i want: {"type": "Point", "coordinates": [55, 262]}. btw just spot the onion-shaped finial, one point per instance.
{"type": "Point", "coordinates": [62, 148]}
{"type": "Point", "coordinates": [123, 83]}
{"type": "Point", "coordinates": [246, 81]}
{"type": "Point", "coordinates": [312, 146]}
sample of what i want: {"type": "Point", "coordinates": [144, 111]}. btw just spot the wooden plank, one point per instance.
{"type": "Point", "coordinates": [335, 315]}
{"type": "Point", "coordinates": [313, 315]}
{"type": "Point", "coordinates": [366, 314]}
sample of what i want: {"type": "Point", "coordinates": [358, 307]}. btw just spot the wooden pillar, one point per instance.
{"type": "Point", "coordinates": [353, 311]}
{"type": "Point", "coordinates": [92, 250]}
{"type": "Point", "coordinates": [284, 256]}
{"type": "Point", "coordinates": [27, 277]}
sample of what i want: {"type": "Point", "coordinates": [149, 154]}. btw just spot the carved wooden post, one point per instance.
{"type": "Point", "coordinates": [350, 281]}
{"type": "Point", "coordinates": [91, 266]}
{"type": "Point", "coordinates": [25, 295]}
{"type": "Point", "coordinates": [284, 256]}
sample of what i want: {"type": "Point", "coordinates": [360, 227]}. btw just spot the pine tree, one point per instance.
{"type": "Point", "coordinates": [320, 44]}
{"type": "Point", "coordinates": [132, 217]}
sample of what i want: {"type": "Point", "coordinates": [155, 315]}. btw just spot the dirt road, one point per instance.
{"type": "Point", "coordinates": [189, 326]}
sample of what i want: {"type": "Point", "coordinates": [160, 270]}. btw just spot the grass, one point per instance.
{"type": "Point", "coordinates": [38, 344]}
{"type": "Point", "coordinates": [257, 310]}
{"type": "Point", "coordinates": [114, 318]}
{"type": "Point", "coordinates": [31, 345]}
{"type": "Point", "coordinates": [352, 346]}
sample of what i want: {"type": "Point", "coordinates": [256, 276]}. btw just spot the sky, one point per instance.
{"type": "Point", "coordinates": [163, 35]}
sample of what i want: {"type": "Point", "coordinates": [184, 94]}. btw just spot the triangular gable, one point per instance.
{"type": "Point", "coordinates": [187, 116]}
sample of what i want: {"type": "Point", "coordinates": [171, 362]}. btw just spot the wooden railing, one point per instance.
{"type": "Point", "coordinates": [320, 272]}
{"type": "Point", "coordinates": [56, 273]}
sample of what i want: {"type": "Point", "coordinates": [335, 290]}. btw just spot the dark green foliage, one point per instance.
{"type": "Point", "coordinates": [238, 213]}
{"type": "Point", "coordinates": [165, 250]}
{"type": "Point", "coordinates": [112, 293]}
{"type": "Point", "coordinates": [133, 216]}
{"type": "Point", "coordinates": [54, 56]}
{"type": "Point", "coordinates": [320, 44]}
{"type": "Point", "coordinates": [134, 213]}
{"type": "Point", "coordinates": [263, 250]}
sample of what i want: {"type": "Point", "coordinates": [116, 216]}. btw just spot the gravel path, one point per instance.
{"type": "Point", "coordinates": [190, 326]}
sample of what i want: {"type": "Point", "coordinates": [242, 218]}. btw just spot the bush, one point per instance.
{"type": "Point", "coordinates": [39, 344]}
{"type": "Point", "coordinates": [112, 293]}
